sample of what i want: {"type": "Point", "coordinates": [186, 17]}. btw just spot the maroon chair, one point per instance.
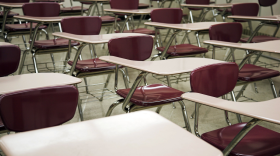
{"type": "Point", "coordinates": [144, 97]}
{"type": "Point", "coordinates": [44, 9]}
{"type": "Point", "coordinates": [87, 25]}
{"type": "Point", "coordinates": [258, 142]}
{"type": "Point", "coordinates": [174, 16]}
{"type": "Point", "coordinates": [9, 59]}
{"type": "Point", "coordinates": [38, 108]}
{"type": "Point", "coordinates": [267, 3]}
{"type": "Point", "coordinates": [250, 9]}
{"type": "Point", "coordinates": [129, 4]}
{"type": "Point", "coordinates": [249, 72]}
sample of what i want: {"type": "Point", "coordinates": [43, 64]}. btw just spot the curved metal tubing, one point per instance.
{"type": "Point", "coordinates": [115, 104]}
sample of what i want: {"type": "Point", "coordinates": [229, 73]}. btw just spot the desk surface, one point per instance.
{"type": "Point", "coordinates": [142, 133]}
{"type": "Point", "coordinates": [257, 18]}
{"type": "Point", "coordinates": [42, 19]}
{"type": "Point", "coordinates": [269, 46]}
{"type": "Point", "coordinates": [136, 11]}
{"type": "Point", "coordinates": [5, 43]}
{"type": "Point", "coordinates": [11, 5]}
{"type": "Point", "coordinates": [94, 39]}
{"type": "Point", "coordinates": [266, 110]}
{"type": "Point", "coordinates": [29, 81]}
{"type": "Point", "coordinates": [190, 26]}
{"type": "Point", "coordinates": [163, 67]}
{"type": "Point", "coordinates": [228, 5]}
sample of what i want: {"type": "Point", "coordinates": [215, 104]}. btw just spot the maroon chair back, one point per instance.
{"type": "Point", "coordinates": [167, 15]}
{"type": "Point", "coordinates": [137, 48]}
{"type": "Point", "coordinates": [228, 32]}
{"type": "Point", "coordinates": [87, 25]}
{"type": "Point", "coordinates": [245, 9]}
{"type": "Point", "coordinates": [207, 2]}
{"type": "Point", "coordinates": [214, 80]}
{"type": "Point", "coordinates": [124, 4]}
{"type": "Point", "coordinates": [9, 59]}
{"type": "Point", "coordinates": [267, 2]}
{"type": "Point", "coordinates": [41, 9]}
{"type": "Point", "coordinates": [38, 108]}
{"type": "Point", "coordinates": [15, 1]}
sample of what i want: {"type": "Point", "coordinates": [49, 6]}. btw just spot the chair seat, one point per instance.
{"type": "Point", "coordinates": [140, 30]}
{"type": "Point", "coordinates": [10, 15]}
{"type": "Point", "coordinates": [22, 27]}
{"type": "Point", "coordinates": [228, 10]}
{"type": "Point", "coordinates": [144, 6]}
{"type": "Point", "coordinates": [152, 95]}
{"type": "Point", "coordinates": [53, 44]}
{"type": "Point", "coordinates": [183, 49]}
{"type": "Point", "coordinates": [72, 9]}
{"type": "Point", "coordinates": [251, 72]}
{"type": "Point", "coordinates": [48, 0]}
{"type": "Point", "coordinates": [92, 65]}
{"type": "Point", "coordinates": [258, 142]}
{"type": "Point", "coordinates": [108, 19]}
{"type": "Point", "coordinates": [258, 39]}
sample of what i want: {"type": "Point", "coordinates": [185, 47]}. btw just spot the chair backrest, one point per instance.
{"type": "Point", "coordinates": [15, 1]}
{"type": "Point", "coordinates": [207, 2]}
{"type": "Point", "coordinates": [228, 32]}
{"type": "Point", "coordinates": [265, 3]}
{"type": "Point", "coordinates": [137, 48]}
{"type": "Point", "coordinates": [245, 9]}
{"type": "Point", "coordinates": [87, 25]}
{"type": "Point", "coordinates": [38, 108]}
{"type": "Point", "coordinates": [167, 15]}
{"type": "Point", "coordinates": [214, 80]}
{"type": "Point", "coordinates": [41, 9]}
{"type": "Point", "coordinates": [124, 4]}
{"type": "Point", "coordinates": [9, 59]}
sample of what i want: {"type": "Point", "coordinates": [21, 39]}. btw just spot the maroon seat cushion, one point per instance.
{"type": "Point", "coordinates": [251, 72]}
{"type": "Point", "coordinates": [258, 39]}
{"type": "Point", "coordinates": [108, 19]}
{"type": "Point", "coordinates": [151, 95]}
{"type": "Point", "coordinates": [22, 27]}
{"type": "Point", "coordinates": [258, 142]}
{"type": "Point", "coordinates": [183, 49]}
{"type": "Point", "coordinates": [10, 15]}
{"type": "Point", "coordinates": [140, 30]}
{"type": "Point", "coordinates": [92, 65]}
{"type": "Point", "coordinates": [72, 9]}
{"type": "Point", "coordinates": [54, 43]}
{"type": "Point", "coordinates": [49, 0]}
{"type": "Point", "coordinates": [228, 10]}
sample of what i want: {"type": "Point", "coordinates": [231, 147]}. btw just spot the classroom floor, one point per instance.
{"type": "Point", "coordinates": [210, 118]}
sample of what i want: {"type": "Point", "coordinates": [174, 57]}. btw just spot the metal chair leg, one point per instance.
{"type": "Point", "coordinates": [105, 86]}
{"type": "Point", "coordinates": [196, 119]}
{"type": "Point", "coordinates": [226, 114]}
{"type": "Point", "coordinates": [185, 115]}
{"type": "Point", "coordinates": [273, 88]}
{"type": "Point", "coordinates": [24, 42]}
{"type": "Point", "coordinates": [166, 35]}
{"type": "Point", "coordinates": [86, 84]}
{"type": "Point", "coordinates": [233, 99]}
{"type": "Point", "coordinates": [34, 62]}
{"type": "Point", "coordinates": [80, 106]}
{"type": "Point", "coordinates": [158, 109]}
{"type": "Point", "coordinates": [91, 52]}
{"type": "Point", "coordinates": [52, 57]}
{"type": "Point", "coordinates": [115, 104]}
{"type": "Point", "coordinates": [22, 61]}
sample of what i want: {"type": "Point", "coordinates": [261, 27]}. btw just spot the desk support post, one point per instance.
{"type": "Point", "coordinates": [251, 124]}
{"type": "Point", "coordinates": [76, 58]}
{"type": "Point", "coordinates": [169, 43]}
{"type": "Point", "coordinates": [132, 90]}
